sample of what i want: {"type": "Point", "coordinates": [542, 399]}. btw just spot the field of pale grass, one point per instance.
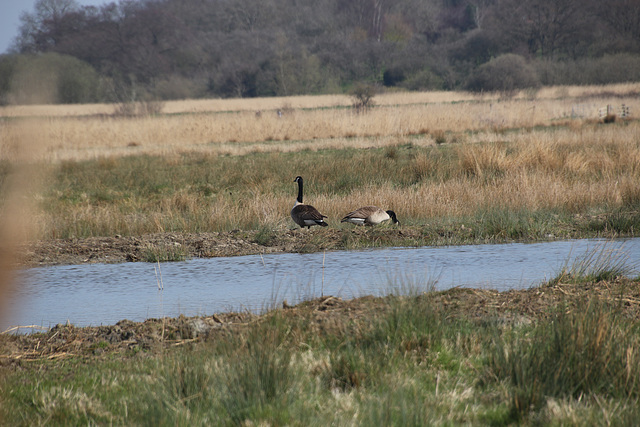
{"type": "Point", "coordinates": [322, 101]}
{"type": "Point", "coordinates": [308, 123]}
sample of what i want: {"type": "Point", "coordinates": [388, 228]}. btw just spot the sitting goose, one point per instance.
{"type": "Point", "coordinates": [305, 215]}
{"type": "Point", "coordinates": [370, 215]}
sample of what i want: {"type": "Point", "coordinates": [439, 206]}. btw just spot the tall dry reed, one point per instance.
{"type": "Point", "coordinates": [234, 127]}
{"type": "Point", "coordinates": [552, 170]}
{"type": "Point", "coordinates": [20, 181]}
{"type": "Point", "coordinates": [421, 155]}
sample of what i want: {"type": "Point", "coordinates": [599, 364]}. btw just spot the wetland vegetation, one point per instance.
{"type": "Point", "coordinates": [563, 353]}
{"type": "Point", "coordinates": [456, 170]}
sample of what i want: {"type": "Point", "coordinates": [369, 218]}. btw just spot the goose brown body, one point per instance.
{"type": "Point", "coordinates": [306, 215]}
{"type": "Point", "coordinates": [370, 215]}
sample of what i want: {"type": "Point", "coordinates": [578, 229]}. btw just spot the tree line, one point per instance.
{"type": "Point", "coordinates": [168, 49]}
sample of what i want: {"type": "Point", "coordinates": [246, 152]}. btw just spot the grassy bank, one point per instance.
{"type": "Point", "coordinates": [533, 184]}
{"type": "Point", "coordinates": [563, 353]}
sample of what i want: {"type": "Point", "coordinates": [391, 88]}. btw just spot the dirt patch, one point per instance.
{"type": "Point", "coordinates": [328, 315]}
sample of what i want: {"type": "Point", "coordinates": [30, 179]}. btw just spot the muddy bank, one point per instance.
{"type": "Point", "coordinates": [175, 246]}
{"type": "Point", "coordinates": [328, 314]}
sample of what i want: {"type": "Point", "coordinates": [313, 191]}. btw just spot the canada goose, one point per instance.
{"type": "Point", "coordinates": [305, 215]}
{"type": "Point", "coordinates": [370, 215]}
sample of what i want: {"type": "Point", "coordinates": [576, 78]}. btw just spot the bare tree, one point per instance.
{"type": "Point", "coordinates": [547, 28]}
{"type": "Point", "coordinates": [42, 27]}
{"type": "Point", "coordinates": [362, 95]}
{"type": "Point", "coordinates": [622, 17]}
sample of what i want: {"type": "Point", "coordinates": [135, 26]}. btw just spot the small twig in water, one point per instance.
{"type": "Point", "coordinates": [324, 253]}
{"type": "Point", "coordinates": [159, 279]}
{"type": "Point", "coordinates": [161, 288]}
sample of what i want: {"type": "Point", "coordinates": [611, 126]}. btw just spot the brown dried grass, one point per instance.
{"type": "Point", "coordinates": [232, 126]}
{"type": "Point", "coordinates": [496, 158]}
{"type": "Point", "coordinates": [527, 171]}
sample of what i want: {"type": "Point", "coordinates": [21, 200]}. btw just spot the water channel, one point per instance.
{"type": "Point", "coordinates": [103, 294]}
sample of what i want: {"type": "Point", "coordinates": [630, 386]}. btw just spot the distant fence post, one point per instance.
{"type": "Point", "coordinates": [609, 111]}
{"type": "Point", "coordinates": [605, 111]}
{"type": "Point", "coordinates": [624, 111]}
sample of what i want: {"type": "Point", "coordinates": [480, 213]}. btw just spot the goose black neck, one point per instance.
{"type": "Point", "coordinates": [394, 219]}
{"type": "Point", "coordinates": [299, 190]}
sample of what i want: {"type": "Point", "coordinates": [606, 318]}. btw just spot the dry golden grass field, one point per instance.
{"type": "Point", "coordinates": [240, 126]}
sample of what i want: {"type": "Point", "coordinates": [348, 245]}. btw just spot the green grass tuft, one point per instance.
{"type": "Point", "coordinates": [164, 253]}
{"type": "Point", "coordinates": [586, 350]}
{"type": "Point", "coordinates": [600, 263]}
{"type": "Point", "coordinates": [265, 235]}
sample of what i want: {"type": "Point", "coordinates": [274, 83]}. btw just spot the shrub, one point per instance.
{"type": "Point", "coordinates": [608, 69]}
{"type": "Point", "coordinates": [424, 79]}
{"type": "Point", "coordinates": [393, 76]}
{"type": "Point", "coordinates": [506, 73]}
{"type": "Point", "coordinates": [52, 78]}
{"type": "Point", "coordinates": [362, 95]}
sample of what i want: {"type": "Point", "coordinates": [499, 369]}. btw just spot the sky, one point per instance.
{"type": "Point", "coordinates": [10, 11]}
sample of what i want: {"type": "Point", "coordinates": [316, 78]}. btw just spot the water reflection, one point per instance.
{"type": "Point", "coordinates": [107, 293]}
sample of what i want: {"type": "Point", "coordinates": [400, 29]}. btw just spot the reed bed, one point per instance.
{"type": "Point", "coordinates": [560, 172]}
{"type": "Point", "coordinates": [233, 127]}
{"type": "Point", "coordinates": [475, 163]}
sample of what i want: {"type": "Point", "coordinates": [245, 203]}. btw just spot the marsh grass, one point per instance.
{"type": "Point", "coordinates": [600, 263]}
{"type": "Point", "coordinates": [538, 185]}
{"type": "Point", "coordinates": [409, 281]}
{"type": "Point", "coordinates": [232, 127]}
{"type": "Point", "coordinates": [164, 253]}
{"type": "Point", "coordinates": [499, 223]}
{"type": "Point", "coordinates": [508, 170]}
{"type": "Point", "coordinates": [501, 172]}
{"type": "Point", "coordinates": [259, 381]}
{"type": "Point", "coordinates": [265, 235]}
{"type": "Point", "coordinates": [408, 360]}
{"type": "Point", "coordinates": [580, 352]}
{"type": "Point", "coordinates": [272, 104]}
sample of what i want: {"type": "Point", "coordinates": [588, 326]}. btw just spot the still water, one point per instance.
{"type": "Point", "coordinates": [103, 294]}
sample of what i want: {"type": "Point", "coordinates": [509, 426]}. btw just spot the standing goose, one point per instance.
{"type": "Point", "coordinates": [370, 215]}
{"type": "Point", "coordinates": [305, 215]}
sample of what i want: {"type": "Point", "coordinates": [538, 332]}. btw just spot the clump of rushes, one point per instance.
{"type": "Point", "coordinates": [164, 253]}
{"type": "Point", "coordinates": [586, 350]}
{"type": "Point", "coordinates": [597, 264]}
